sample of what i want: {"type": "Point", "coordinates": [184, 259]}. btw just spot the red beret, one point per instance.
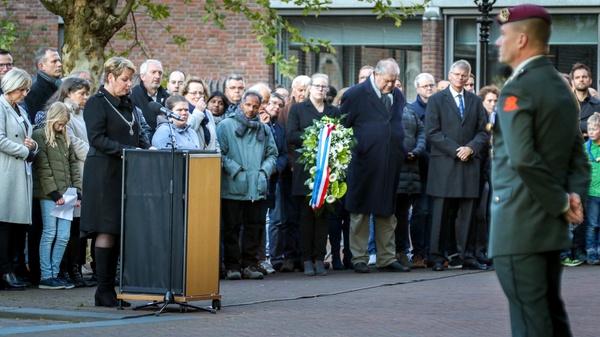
{"type": "Point", "coordinates": [523, 12]}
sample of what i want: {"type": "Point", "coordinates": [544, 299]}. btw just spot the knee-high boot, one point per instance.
{"type": "Point", "coordinates": [105, 269]}
{"type": "Point", "coordinates": [115, 270]}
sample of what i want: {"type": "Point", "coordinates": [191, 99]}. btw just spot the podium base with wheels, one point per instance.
{"type": "Point", "coordinates": [170, 267]}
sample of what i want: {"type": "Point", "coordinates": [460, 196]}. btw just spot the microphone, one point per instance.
{"type": "Point", "coordinates": [156, 107]}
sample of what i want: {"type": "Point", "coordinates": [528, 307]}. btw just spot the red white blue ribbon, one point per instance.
{"type": "Point", "coordinates": [321, 181]}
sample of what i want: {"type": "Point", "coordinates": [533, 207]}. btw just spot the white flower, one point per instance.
{"type": "Point", "coordinates": [333, 177]}
{"type": "Point", "coordinates": [330, 199]}
{"type": "Point", "coordinates": [311, 185]}
{"type": "Point", "coordinates": [313, 170]}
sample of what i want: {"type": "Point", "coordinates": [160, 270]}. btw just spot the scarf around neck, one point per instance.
{"type": "Point", "coordinates": [246, 123]}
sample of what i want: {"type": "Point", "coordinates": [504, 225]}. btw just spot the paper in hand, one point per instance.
{"type": "Point", "coordinates": [65, 211]}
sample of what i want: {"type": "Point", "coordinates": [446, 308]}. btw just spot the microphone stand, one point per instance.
{"type": "Point", "coordinates": [169, 297]}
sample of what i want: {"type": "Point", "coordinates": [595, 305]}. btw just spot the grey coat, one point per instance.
{"type": "Point", "coordinates": [15, 180]}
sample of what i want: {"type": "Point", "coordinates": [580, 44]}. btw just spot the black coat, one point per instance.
{"type": "Point", "coordinates": [377, 158]}
{"type": "Point", "coordinates": [301, 116]}
{"type": "Point", "coordinates": [140, 98]}
{"type": "Point", "coordinates": [108, 135]}
{"type": "Point", "coordinates": [449, 177]}
{"type": "Point", "coordinates": [40, 93]}
{"type": "Point", "coordinates": [414, 141]}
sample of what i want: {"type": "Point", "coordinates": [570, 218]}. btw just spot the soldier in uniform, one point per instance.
{"type": "Point", "coordinates": [540, 175]}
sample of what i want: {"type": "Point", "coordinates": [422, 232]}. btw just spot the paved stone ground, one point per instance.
{"type": "Point", "coordinates": [344, 303]}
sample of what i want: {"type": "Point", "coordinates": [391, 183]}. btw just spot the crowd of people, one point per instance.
{"type": "Point", "coordinates": [419, 187]}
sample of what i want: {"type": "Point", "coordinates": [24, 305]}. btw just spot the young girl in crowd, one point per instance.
{"type": "Point", "coordinates": [55, 171]}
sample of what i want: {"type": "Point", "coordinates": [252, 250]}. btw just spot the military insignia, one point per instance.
{"type": "Point", "coordinates": [510, 104]}
{"type": "Point", "coordinates": [504, 15]}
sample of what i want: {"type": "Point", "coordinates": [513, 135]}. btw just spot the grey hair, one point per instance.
{"type": "Point", "coordinates": [144, 66]}
{"type": "Point", "coordinates": [461, 64]}
{"type": "Point", "coordinates": [15, 79]}
{"type": "Point", "coordinates": [300, 81]}
{"type": "Point", "coordinates": [76, 73]}
{"type": "Point", "coordinates": [423, 76]}
{"type": "Point", "coordinates": [387, 67]}
{"type": "Point", "coordinates": [318, 75]}
{"type": "Point", "coordinates": [252, 93]}
{"type": "Point", "coordinates": [233, 77]}
{"type": "Point", "coordinates": [40, 55]}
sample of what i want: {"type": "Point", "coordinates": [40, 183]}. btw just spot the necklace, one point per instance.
{"type": "Point", "coordinates": [589, 151]}
{"type": "Point", "coordinates": [130, 124]}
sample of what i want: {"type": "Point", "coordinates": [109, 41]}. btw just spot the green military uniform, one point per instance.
{"type": "Point", "coordinates": [538, 159]}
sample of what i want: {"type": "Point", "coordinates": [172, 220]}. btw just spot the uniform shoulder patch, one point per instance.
{"type": "Point", "coordinates": [510, 104]}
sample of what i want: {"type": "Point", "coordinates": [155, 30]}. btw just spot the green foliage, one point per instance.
{"type": "Point", "coordinates": [8, 34]}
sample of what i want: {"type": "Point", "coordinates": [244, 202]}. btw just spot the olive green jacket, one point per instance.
{"type": "Point", "coordinates": [55, 168]}
{"type": "Point", "coordinates": [538, 158]}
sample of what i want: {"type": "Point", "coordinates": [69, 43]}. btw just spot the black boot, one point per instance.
{"type": "Point", "coordinates": [105, 269]}
{"type": "Point", "coordinates": [115, 261]}
{"type": "Point", "coordinates": [79, 280]}
{"type": "Point", "coordinates": [10, 282]}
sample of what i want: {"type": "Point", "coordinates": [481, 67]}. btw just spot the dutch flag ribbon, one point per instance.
{"type": "Point", "coordinates": [322, 175]}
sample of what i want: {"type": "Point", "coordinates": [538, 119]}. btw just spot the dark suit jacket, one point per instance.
{"type": "Point", "coordinates": [40, 93]}
{"type": "Point", "coordinates": [377, 158]}
{"type": "Point", "coordinates": [538, 158]}
{"type": "Point", "coordinates": [446, 131]}
{"type": "Point", "coordinates": [140, 98]}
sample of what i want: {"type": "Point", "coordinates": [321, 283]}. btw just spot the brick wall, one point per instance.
{"type": "Point", "coordinates": [36, 27]}
{"type": "Point", "coordinates": [209, 52]}
{"type": "Point", "coordinates": [433, 48]}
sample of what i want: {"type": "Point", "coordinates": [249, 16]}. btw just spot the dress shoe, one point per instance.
{"type": "Point", "coordinates": [474, 265]}
{"type": "Point", "coordinates": [320, 268]}
{"type": "Point", "coordinates": [287, 266]}
{"type": "Point", "coordinates": [403, 259]}
{"type": "Point", "coordinates": [309, 269]}
{"type": "Point", "coordinates": [361, 267]}
{"type": "Point", "coordinates": [438, 266]}
{"type": "Point", "coordinates": [484, 259]}
{"type": "Point", "coordinates": [395, 267]}
{"type": "Point", "coordinates": [10, 282]}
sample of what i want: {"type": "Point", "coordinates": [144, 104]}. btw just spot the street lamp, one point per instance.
{"type": "Point", "coordinates": [485, 7]}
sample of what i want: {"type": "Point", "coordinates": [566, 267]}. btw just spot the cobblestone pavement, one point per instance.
{"type": "Point", "coordinates": [343, 303]}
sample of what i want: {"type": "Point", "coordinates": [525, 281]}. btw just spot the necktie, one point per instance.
{"type": "Point", "coordinates": [461, 106]}
{"type": "Point", "coordinates": [386, 101]}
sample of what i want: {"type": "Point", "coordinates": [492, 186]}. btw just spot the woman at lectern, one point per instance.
{"type": "Point", "coordinates": [112, 125]}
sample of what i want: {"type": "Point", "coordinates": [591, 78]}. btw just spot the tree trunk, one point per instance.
{"type": "Point", "coordinates": [89, 26]}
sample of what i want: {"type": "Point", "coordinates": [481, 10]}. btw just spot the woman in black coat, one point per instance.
{"type": "Point", "coordinates": [112, 125]}
{"type": "Point", "coordinates": [313, 229]}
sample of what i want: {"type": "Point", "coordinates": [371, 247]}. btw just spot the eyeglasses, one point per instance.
{"type": "Point", "coordinates": [427, 86]}
{"type": "Point", "coordinates": [321, 87]}
{"type": "Point", "coordinates": [461, 76]}
{"type": "Point", "coordinates": [199, 93]}
{"type": "Point", "coordinates": [6, 65]}
{"type": "Point", "coordinates": [24, 90]}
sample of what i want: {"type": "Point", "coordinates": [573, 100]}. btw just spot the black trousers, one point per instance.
{"type": "Point", "coordinates": [401, 233]}
{"type": "Point", "coordinates": [252, 214]}
{"type": "Point", "coordinates": [313, 232]}
{"type": "Point", "coordinates": [339, 224]}
{"type": "Point", "coordinates": [8, 234]}
{"type": "Point", "coordinates": [443, 209]}
{"type": "Point", "coordinates": [290, 220]}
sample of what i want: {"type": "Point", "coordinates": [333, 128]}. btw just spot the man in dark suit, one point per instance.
{"type": "Point", "coordinates": [540, 175]}
{"type": "Point", "coordinates": [455, 127]}
{"type": "Point", "coordinates": [149, 90]}
{"type": "Point", "coordinates": [374, 110]}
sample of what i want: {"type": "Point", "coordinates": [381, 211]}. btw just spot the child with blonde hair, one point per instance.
{"type": "Point", "coordinates": [592, 211]}
{"type": "Point", "coordinates": [55, 170]}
